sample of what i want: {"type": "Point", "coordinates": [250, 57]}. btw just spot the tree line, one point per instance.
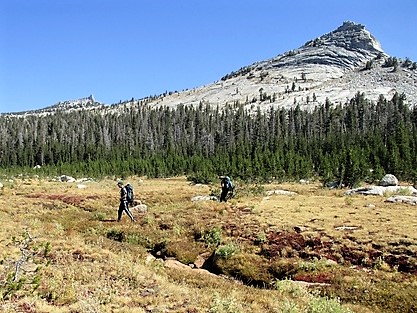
{"type": "Point", "coordinates": [360, 140]}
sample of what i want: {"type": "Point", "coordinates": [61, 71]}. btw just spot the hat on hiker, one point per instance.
{"type": "Point", "coordinates": [120, 182]}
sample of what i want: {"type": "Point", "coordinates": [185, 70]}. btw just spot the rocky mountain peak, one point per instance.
{"type": "Point", "coordinates": [333, 67]}
{"type": "Point", "coordinates": [350, 36]}
{"type": "Point", "coordinates": [347, 47]}
{"type": "Point", "coordinates": [86, 103]}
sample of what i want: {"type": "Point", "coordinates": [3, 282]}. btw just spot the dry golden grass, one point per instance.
{"type": "Point", "coordinates": [319, 209]}
{"type": "Point", "coordinates": [89, 271]}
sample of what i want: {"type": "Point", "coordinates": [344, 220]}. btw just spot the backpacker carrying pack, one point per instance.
{"type": "Point", "coordinates": [129, 193]}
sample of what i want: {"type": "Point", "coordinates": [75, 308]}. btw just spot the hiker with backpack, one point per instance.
{"type": "Point", "coordinates": [125, 198]}
{"type": "Point", "coordinates": [227, 186]}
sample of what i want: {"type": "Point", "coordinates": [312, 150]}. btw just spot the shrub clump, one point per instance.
{"type": "Point", "coordinates": [226, 251]}
{"type": "Point", "coordinates": [283, 268]}
{"type": "Point", "coordinates": [251, 269]}
{"type": "Point", "coordinates": [22, 276]}
{"type": "Point", "coordinates": [115, 234]}
{"type": "Point", "coordinates": [212, 237]}
{"type": "Point", "coordinates": [183, 250]}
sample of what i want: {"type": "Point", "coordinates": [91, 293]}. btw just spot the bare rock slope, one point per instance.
{"type": "Point", "coordinates": [335, 66]}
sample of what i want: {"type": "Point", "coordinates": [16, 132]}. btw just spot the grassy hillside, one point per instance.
{"type": "Point", "coordinates": [315, 250]}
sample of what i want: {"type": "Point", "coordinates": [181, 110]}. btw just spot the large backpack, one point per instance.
{"type": "Point", "coordinates": [129, 193]}
{"type": "Point", "coordinates": [229, 183]}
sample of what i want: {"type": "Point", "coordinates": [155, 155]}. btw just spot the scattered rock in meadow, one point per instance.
{"type": "Point", "coordinates": [300, 229]}
{"type": "Point", "coordinates": [403, 199]}
{"type": "Point", "coordinates": [308, 284]}
{"type": "Point", "coordinates": [149, 259]}
{"type": "Point", "coordinates": [347, 227]}
{"type": "Point", "coordinates": [66, 179]}
{"type": "Point", "coordinates": [204, 198]}
{"type": "Point", "coordinates": [174, 264]}
{"type": "Point", "coordinates": [381, 190]}
{"type": "Point", "coordinates": [177, 265]}
{"type": "Point", "coordinates": [201, 259]}
{"type": "Point", "coordinates": [140, 208]}
{"type": "Point", "coordinates": [280, 192]}
{"type": "Point", "coordinates": [389, 180]}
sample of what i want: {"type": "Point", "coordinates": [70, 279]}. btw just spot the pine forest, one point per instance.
{"type": "Point", "coordinates": [358, 141]}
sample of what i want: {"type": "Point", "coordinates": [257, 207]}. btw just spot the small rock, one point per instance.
{"type": "Point", "coordinates": [201, 259]}
{"type": "Point", "coordinates": [300, 229]}
{"type": "Point", "coordinates": [67, 179]}
{"type": "Point", "coordinates": [343, 227]}
{"type": "Point", "coordinates": [403, 199]}
{"type": "Point", "coordinates": [280, 192]}
{"type": "Point", "coordinates": [389, 180]}
{"type": "Point", "coordinates": [149, 259]}
{"type": "Point", "coordinates": [203, 198]}
{"type": "Point", "coordinates": [174, 264]}
{"type": "Point", "coordinates": [140, 208]}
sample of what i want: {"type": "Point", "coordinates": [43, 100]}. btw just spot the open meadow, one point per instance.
{"type": "Point", "coordinates": [312, 249]}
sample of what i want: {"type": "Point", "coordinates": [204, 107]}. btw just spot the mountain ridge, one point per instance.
{"type": "Point", "coordinates": [332, 67]}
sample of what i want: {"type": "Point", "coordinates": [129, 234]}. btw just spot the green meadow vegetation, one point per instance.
{"type": "Point", "coordinates": [315, 250]}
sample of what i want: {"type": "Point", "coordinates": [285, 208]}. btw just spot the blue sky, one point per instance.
{"type": "Point", "coordinates": [57, 50]}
